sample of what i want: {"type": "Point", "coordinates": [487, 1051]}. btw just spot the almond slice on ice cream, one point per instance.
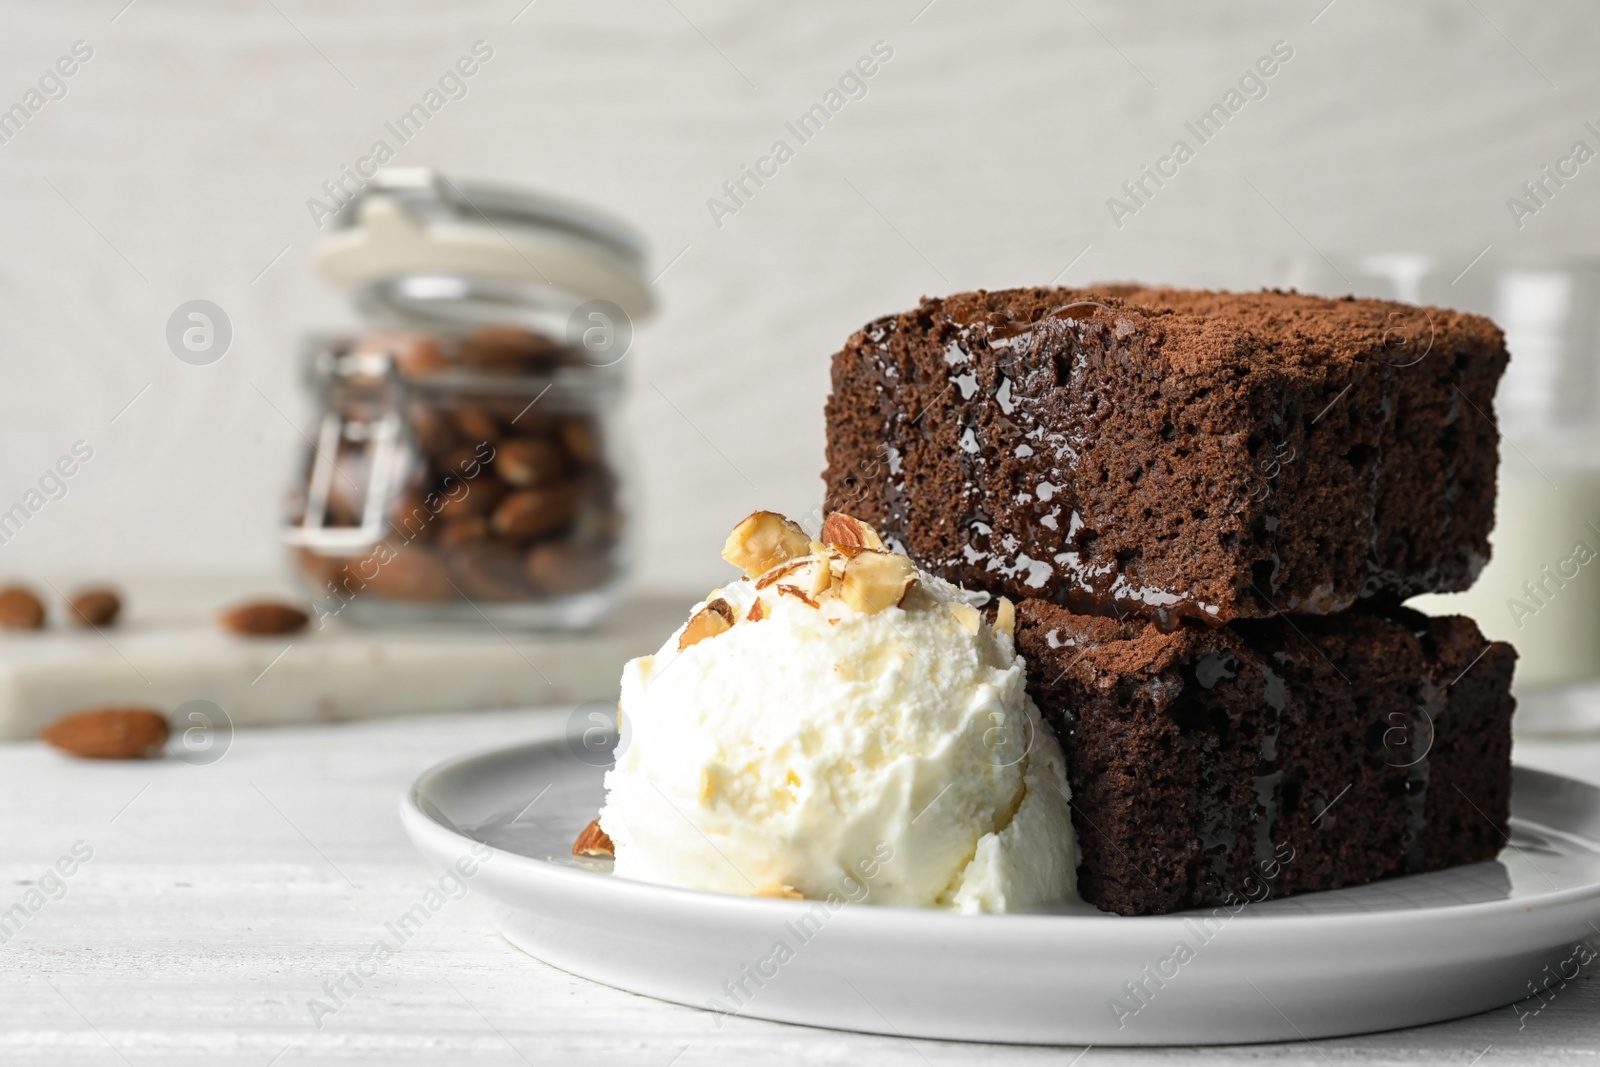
{"type": "Point", "coordinates": [812, 576]}
{"type": "Point", "coordinates": [799, 594]}
{"type": "Point", "coordinates": [775, 574]}
{"type": "Point", "coordinates": [764, 540]}
{"type": "Point", "coordinates": [1005, 617]}
{"type": "Point", "coordinates": [967, 616]}
{"type": "Point", "coordinates": [874, 580]}
{"type": "Point", "coordinates": [592, 841]}
{"type": "Point", "coordinates": [709, 621]}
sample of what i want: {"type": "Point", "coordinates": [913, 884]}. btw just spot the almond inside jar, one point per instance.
{"type": "Point", "coordinates": [510, 494]}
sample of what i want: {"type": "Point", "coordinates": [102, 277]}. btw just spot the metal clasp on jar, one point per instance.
{"type": "Point", "coordinates": [378, 437]}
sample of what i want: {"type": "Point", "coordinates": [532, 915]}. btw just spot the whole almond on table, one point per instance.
{"type": "Point", "coordinates": [94, 607]}
{"type": "Point", "coordinates": [762, 541]}
{"type": "Point", "coordinates": [109, 733]}
{"type": "Point", "coordinates": [263, 617]}
{"type": "Point", "coordinates": [20, 609]}
{"type": "Point", "coordinates": [592, 841]}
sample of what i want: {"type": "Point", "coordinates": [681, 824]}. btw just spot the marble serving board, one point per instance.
{"type": "Point", "coordinates": [167, 650]}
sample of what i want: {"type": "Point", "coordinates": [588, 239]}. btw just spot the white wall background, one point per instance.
{"type": "Point", "coordinates": [179, 163]}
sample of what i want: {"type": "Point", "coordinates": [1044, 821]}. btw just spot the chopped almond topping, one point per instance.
{"type": "Point", "coordinates": [821, 577]}
{"type": "Point", "coordinates": [780, 571]}
{"type": "Point", "coordinates": [794, 592]}
{"type": "Point", "coordinates": [756, 613]}
{"type": "Point", "coordinates": [850, 535]}
{"type": "Point", "coordinates": [875, 580]}
{"type": "Point", "coordinates": [593, 841]}
{"type": "Point", "coordinates": [764, 540]}
{"type": "Point", "coordinates": [781, 892]}
{"type": "Point", "coordinates": [967, 616]}
{"type": "Point", "coordinates": [711, 620]}
{"type": "Point", "coordinates": [1005, 617]}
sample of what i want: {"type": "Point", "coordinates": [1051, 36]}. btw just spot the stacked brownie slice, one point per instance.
{"type": "Point", "coordinates": [1209, 508]}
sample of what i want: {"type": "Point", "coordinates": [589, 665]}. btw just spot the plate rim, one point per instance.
{"type": "Point", "coordinates": [413, 814]}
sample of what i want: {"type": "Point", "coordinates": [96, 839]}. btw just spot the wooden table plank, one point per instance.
{"type": "Point", "coordinates": [219, 899]}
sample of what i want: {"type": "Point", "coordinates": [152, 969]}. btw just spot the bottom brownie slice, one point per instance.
{"type": "Point", "coordinates": [1272, 756]}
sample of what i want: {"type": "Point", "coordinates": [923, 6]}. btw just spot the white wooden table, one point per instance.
{"type": "Point", "coordinates": [219, 899]}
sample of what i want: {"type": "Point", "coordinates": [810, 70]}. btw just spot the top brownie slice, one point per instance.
{"type": "Point", "coordinates": [1174, 453]}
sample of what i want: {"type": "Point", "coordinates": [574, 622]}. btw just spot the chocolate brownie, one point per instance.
{"type": "Point", "coordinates": [1272, 756]}
{"type": "Point", "coordinates": [1173, 453]}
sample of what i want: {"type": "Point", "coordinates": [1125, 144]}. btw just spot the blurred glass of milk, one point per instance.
{"type": "Point", "coordinates": [1541, 588]}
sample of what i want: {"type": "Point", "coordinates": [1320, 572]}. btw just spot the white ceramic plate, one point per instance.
{"type": "Point", "coordinates": [1396, 953]}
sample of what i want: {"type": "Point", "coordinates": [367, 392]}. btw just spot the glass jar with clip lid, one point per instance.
{"type": "Point", "coordinates": [468, 464]}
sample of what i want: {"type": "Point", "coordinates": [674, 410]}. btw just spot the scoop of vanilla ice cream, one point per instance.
{"type": "Point", "coordinates": [890, 757]}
